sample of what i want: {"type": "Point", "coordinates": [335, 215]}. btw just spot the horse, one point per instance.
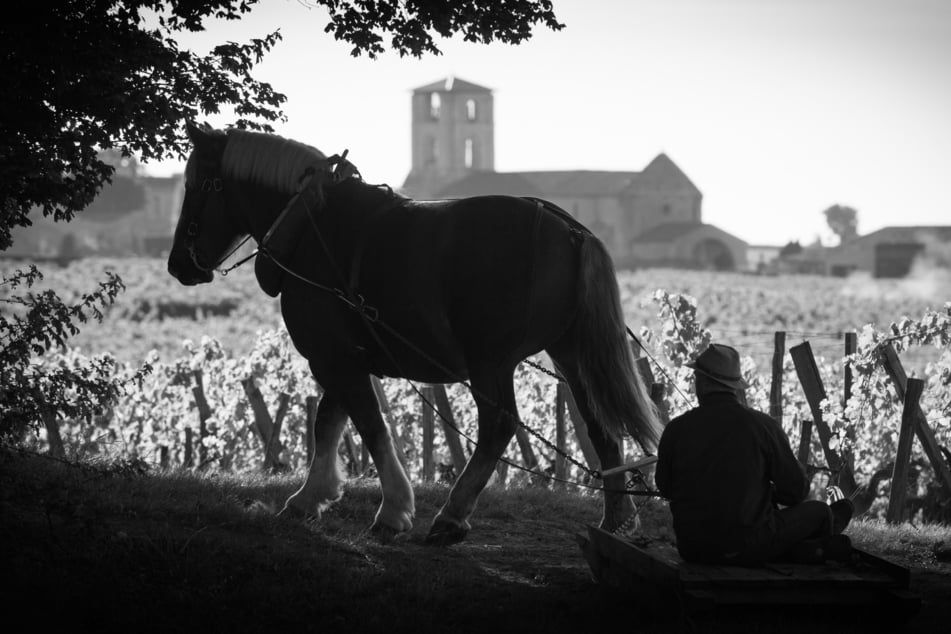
{"type": "Point", "coordinates": [459, 290]}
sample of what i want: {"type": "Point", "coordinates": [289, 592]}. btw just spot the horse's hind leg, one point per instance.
{"type": "Point", "coordinates": [618, 506]}
{"type": "Point", "coordinates": [324, 483]}
{"type": "Point", "coordinates": [494, 394]}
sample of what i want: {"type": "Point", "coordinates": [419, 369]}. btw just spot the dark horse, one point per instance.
{"type": "Point", "coordinates": [441, 292]}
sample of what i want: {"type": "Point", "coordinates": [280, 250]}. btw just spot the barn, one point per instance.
{"type": "Point", "coordinates": [891, 252]}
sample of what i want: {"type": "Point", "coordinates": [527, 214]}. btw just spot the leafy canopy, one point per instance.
{"type": "Point", "coordinates": [82, 76]}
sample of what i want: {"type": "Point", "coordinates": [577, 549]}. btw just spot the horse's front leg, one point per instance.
{"type": "Point", "coordinates": [324, 483]}
{"type": "Point", "coordinates": [398, 507]}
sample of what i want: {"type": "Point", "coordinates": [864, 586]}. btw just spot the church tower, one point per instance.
{"type": "Point", "coordinates": [453, 134]}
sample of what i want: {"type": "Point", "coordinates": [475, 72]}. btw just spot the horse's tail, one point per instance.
{"type": "Point", "coordinates": [616, 394]}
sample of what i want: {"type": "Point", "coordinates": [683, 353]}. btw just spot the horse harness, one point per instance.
{"type": "Point", "coordinates": [305, 202]}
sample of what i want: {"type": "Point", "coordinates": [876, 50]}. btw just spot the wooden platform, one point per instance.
{"type": "Point", "coordinates": [656, 571]}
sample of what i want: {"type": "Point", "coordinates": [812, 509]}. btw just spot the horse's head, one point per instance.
{"type": "Point", "coordinates": [207, 229]}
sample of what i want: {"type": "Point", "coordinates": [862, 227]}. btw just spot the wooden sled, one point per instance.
{"type": "Point", "coordinates": [656, 572]}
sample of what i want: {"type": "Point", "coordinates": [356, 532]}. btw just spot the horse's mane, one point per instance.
{"type": "Point", "coordinates": [267, 160]}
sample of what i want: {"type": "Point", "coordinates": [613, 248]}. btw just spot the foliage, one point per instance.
{"type": "Point", "coordinates": [236, 333]}
{"type": "Point", "coordinates": [413, 24]}
{"type": "Point", "coordinates": [790, 248]}
{"type": "Point", "coordinates": [117, 79]}
{"type": "Point", "coordinates": [843, 221]}
{"type": "Point", "coordinates": [32, 392]}
{"type": "Point", "coordinates": [111, 81]}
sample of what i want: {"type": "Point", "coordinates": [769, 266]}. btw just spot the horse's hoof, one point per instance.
{"type": "Point", "coordinates": [294, 514]}
{"type": "Point", "coordinates": [445, 534]}
{"type": "Point", "coordinates": [385, 534]}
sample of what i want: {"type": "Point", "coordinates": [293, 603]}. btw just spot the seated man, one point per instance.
{"type": "Point", "coordinates": [736, 491]}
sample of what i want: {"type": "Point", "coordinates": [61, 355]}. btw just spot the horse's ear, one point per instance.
{"type": "Point", "coordinates": [198, 135]}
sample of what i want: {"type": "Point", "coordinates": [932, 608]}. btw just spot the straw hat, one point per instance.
{"type": "Point", "coordinates": [720, 363]}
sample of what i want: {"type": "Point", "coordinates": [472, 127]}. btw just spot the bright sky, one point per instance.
{"type": "Point", "coordinates": [775, 109]}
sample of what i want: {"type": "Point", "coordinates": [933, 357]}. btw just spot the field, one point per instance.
{"type": "Point", "coordinates": [230, 331]}
{"type": "Point", "coordinates": [173, 541]}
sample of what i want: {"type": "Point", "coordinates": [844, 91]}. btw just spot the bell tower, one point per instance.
{"type": "Point", "coordinates": [453, 133]}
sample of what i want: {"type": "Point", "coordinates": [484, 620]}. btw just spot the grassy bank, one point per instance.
{"type": "Point", "coordinates": [109, 548]}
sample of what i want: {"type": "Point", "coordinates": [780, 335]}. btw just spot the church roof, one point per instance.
{"type": "Point", "coordinates": [480, 183]}
{"type": "Point", "coordinates": [663, 172]}
{"type": "Point", "coordinates": [580, 182]}
{"type": "Point", "coordinates": [568, 184]}
{"type": "Point", "coordinates": [668, 232]}
{"type": "Point", "coordinates": [452, 84]}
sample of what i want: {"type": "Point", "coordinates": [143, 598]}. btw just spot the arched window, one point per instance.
{"type": "Point", "coordinates": [471, 109]}
{"type": "Point", "coordinates": [435, 104]}
{"type": "Point", "coordinates": [469, 154]}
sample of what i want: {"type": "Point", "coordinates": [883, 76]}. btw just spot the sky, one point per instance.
{"type": "Point", "coordinates": [775, 109]}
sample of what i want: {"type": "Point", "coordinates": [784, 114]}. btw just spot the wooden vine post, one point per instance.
{"type": "Point", "coordinates": [581, 434]}
{"type": "Point", "coordinates": [805, 440]}
{"type": "Point", "coordinates": [387, 414]}
{"type": "Point", "coordinates": [428, 423]}
{"type": "Point", "coordinates": [204, 413]}
{"type": "Point", "coordinates": [272, 449]}
{"type": "Point", "coordinates": [561, 404]}
{"type": "Point", "coordinates": [450, 430]}
{"type": "Point", "coordinates": [53, 436]}
{"type": "Point", "coordinates": [188, 461]}
{"type": "Point", "coordinates": [776, 385]}
{"type": "Point", "coordinates": [311, 403]}
{"type": "Point", "coordinates": [811, 382]}
{"type": "Point", "coordinates": [263, 423]}
{"type": "Point", "coordinates": [893, 367]}
{"type": "Point", "coordinates": [899, 488]}
{"type": "Point", "coordinates": [851, 345]}
{"type": "Point", "coordinates": [525, 446]}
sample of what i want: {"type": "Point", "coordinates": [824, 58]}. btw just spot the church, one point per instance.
{"type": "Point", "coordinates": [646, 218]}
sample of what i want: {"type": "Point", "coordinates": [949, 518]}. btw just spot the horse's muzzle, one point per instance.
{"type": "Point", "coordinates": [186, 273]}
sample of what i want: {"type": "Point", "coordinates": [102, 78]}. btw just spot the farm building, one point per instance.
{"type": "Point", "coordinates": [646, 218]}
{"type": "Point", "coordinates": [134, 215]}
{"type": "Point", "coordinates": [890, 251]}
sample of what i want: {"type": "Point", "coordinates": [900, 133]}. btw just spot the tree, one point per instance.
{"type": "Point", "coordinates": [81, 76]}
{"type": "Point", "coordinates": [843, 221]}
{"type": "Point", "coordinates": [84, 77]}
{"type": "Point", "coordinates": [790, 248]}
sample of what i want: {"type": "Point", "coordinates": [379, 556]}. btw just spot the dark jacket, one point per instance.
{"type": "Point", "coordinates": [723, 467]}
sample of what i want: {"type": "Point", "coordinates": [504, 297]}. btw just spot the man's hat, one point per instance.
{"type": "Point", "coordinates": [720, 363]}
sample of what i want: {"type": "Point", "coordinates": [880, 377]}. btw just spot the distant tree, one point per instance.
{"type": "Point", "coordinates": [790, 248]}
{"type": "Point", "coordinates": [843, 221]}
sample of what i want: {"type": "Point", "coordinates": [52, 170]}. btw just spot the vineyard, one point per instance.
{"type": "Point", "coordinates": [222, 373]}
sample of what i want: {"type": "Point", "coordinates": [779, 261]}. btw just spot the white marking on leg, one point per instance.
{"type": "Point", "coordinates": [324, 483]}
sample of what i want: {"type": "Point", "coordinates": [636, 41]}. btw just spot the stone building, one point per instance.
{"type": "Point", "coordinates": [134, 215]}
{"type": "Point", "coordinates": [648, 218]}
{"type": "Point", "coordinates": [891, 251]}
